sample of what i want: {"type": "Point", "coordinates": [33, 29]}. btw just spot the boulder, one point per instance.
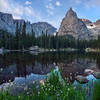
{"type": "Point", "coordinates": [81, 79]}
{"type": "Point", "coordinates": [96, 75]}
{"type": "Point", "coordinates": [88, 71]}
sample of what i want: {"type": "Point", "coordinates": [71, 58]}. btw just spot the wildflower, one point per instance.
{"type": "Point", "coordinates": [9, 80]}
{"type": "Point", "coordinates": [74, 87]}
{"type": "Point", "coordinates": [12, 72]}
{"type": "Point", "coordinates": [71, 77]}
{"type": "Point", "coordinates": [33, 82]}
{"type": "Point", "coordinates": [68, 89]}
{"type": "Point", "coordinates": [65, 78]}
{"type": "Point", "coordinates": [54, 64]}
{"type": "Point", "coordinates": [11, 84]}
{"type": "Point", "coordinates": [70, 73]}
{"type": "Point", "coordinates": [1, 69]}
{"type": "Point", "coordinates": [87, 88]}
{"type": "Point", "coordinates": [27, 92]}
{"type": "Point", "coordinates": [67, 83]}
{"type": "Point", "coordinates": [38, 92]}
{"type": "Point", "coordinates": [42, 82]}
{"type": "Point", "coordinates": [58, 95]}
{"type": "Point", "coordinates": [25, 88]}
{"type": "Point", "coordinates": [61, 92]}
{"type": "Point", "coordinates": [37, 86]}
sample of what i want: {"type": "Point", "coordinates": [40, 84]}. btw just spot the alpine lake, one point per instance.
{"type": "Point", "coordinates": [20, 70]}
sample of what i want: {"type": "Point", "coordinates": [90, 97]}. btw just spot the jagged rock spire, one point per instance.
{"type": "Point", "coordinates": [71, 13]}
{"type": "Point", "coordinates": [72, 25]}
{"type": "Point", "coordinates": [70, 9]}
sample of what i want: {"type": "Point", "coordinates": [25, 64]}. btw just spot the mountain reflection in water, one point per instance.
{"type": "Point", "coordinates": [19, 65]}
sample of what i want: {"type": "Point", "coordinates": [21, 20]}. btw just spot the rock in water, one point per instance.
{"type": "Point", "coordinates": [72, 25]}
{"type": "Point", "coordinates": [81, 79]}
{"type": "Point", "coordinates": [96, 75]}
{"type": "Point", "coordinates": [88, 71]}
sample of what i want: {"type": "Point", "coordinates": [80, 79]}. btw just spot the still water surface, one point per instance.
{"type": "Point", "coordinates": [26, 67]}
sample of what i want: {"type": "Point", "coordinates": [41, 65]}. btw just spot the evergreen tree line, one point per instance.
{"type": "Point", "coordinates": [21, 40]}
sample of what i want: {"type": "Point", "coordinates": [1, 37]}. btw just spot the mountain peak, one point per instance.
{"type": "Point", "coordinates": [72, 25]}
{"type": "Point", "coordinates": [9, 24]}
{"type": "Point", "coordinates": [86, 21]}
{"type": "Point", "coordinates": [71, 13]}
{"type": "Point", "coordinates": [97, 22]}
{"type": "Point", "coordinates": [70, 9]}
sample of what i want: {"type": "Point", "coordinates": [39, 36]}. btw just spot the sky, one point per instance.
{"type": "Point", "coordinates": [51, 11]}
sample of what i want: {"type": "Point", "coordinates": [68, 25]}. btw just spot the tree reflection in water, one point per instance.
{"type": "Point", "coordinates": [16, 64]}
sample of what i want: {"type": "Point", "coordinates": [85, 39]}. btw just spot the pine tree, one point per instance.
{"type": "Point", "coordinates": [33, 38]}
{"type": "Point", "coordinates": [17, 36]}
{"type": "Point", "coordinates": [57, 41]}
{"type": "Point", "coordinates": [24, 35]}
{"type": "Point", "coordinates": [20, 37]}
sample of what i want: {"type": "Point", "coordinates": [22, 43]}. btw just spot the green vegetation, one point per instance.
{"type": "Point", "coordinates": [96, 91]}
{"type": "Point", "coordinates": [54, 88]}
{"type": "Point", "coordinates": [21, 40]}
{"type": "Point", "coordinates": [51, 89]}
{"type": "Point", "coordinates": [7, 96]}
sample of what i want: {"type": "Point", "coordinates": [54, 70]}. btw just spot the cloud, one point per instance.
{"type": "Point", "coordinates": [78, 1]}
{"type": "Point", "coordinates": [50, 9]}
{"type": "Point", "coordinates": [4, 5]}
{"type": "Point", "coordinates": [16, 17]}
{"type": "Point", "coordinates": [16, 9]}
{"type": "Point", "coordinates": [58, 3]}
{"type": "Point", "coordinates": [29, 11]}
{"type": "Point", "coordinates": [50, 12]}
{"type": "Point", "coordinates": [28, 3]}
{"type": "Point", "coordinates": [54, 22]}
{"type": "Point", "coordinates": [50, 6]}
{"type": "Point", "coordinates": [92, 3]}
{"type": "Point", "coordinates": [21, 11]}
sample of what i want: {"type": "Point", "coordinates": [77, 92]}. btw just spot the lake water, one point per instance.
{"type": "Point", "coordinates": [25, 68]}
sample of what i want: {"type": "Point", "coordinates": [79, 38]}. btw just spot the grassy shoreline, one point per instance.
{"type": "Point", "coordinates": [55, 89]}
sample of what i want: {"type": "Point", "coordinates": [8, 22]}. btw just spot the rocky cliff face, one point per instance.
{"type": "Point", "coordinates": [86, 21]}
{"type": "Point", "coordinates": [72, 25]}
{"type": "Point", "coordinates": [9, 24]}
{"type": "Point", "coordinates": [42, 27]}
{"type": "Point", "coordinates": [93, 27]}
{"type": "Point", "coordinates": [97, 22]}
{"type": "Point", "coordinates": [7, 18]}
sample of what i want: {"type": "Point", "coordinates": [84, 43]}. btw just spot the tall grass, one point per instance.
{"type": "Point", "coordinates": [53, 89]}
{"type": "Point", "coordinates": [96, 91]}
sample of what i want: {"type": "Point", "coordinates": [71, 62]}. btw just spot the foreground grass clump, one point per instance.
{"type": "Point", "coordinates": [51, 89]}
{"type": "Point", "coordinates": [54, 89]}
{"type": "Point", "coordinates": [96, 91]}
{"type": "Point", "coordinates": [7, 96]}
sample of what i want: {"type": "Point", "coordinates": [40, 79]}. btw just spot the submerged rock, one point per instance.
{"type": "Point", "coordinates": [81, 79]}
